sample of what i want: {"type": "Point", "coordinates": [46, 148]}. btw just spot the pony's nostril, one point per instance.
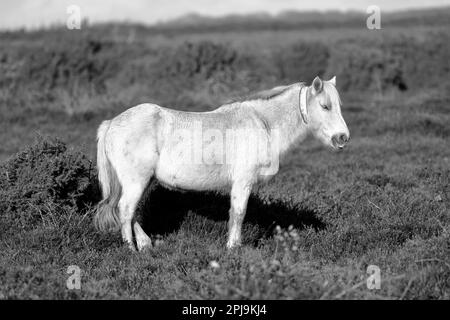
{"type": "Point", "coordinates": [339, 140]}
{"type": "Point", "coordinates": [343, 138]}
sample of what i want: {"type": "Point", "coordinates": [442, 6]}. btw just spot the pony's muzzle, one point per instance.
{"type": "Point", "coordinates": [340, 140]}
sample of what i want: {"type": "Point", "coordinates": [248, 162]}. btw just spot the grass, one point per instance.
{"type": "Point", "coordinates": [384, 201]}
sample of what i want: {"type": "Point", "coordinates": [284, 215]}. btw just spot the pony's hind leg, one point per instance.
{"type": "Point", "coordinates": [127, 207]}
{"type": "Point", "coordinates": [134, 154]}
{"type": "Point", "coordinates": [133, 183]}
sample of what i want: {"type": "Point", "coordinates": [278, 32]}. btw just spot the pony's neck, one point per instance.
{"type": "Point", "coordinates": [282, 116]}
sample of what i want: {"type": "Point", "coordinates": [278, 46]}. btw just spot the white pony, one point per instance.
{"type": "Point", "coordinates": [230, 148]}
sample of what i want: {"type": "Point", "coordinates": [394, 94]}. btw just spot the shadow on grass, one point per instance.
{"type": "Point", "coordinates": [162, 211]}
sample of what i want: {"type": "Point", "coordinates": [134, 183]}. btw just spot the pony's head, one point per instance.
{"type": "Point", "coordinates": [320, 108]}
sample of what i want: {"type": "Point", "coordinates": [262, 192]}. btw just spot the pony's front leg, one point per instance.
{"type": "Point", "coordinates": [143, 241]}
{"type": "Point", "coordinates": [240, 192]}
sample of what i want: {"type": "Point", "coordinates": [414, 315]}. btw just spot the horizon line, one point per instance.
{"type": "Point", "coordinates": [162, 22]}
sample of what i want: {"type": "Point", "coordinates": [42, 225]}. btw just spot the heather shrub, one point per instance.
{"type": "Point", "coordinates": [400, 63]}
{"type": "Point", "coordinates": [366, 68]}
{"type": "Point", "coordinates": [9, 70]}
{"type": "Point", "coordinates": [45, 179]}
{"type": "Point", "coordinates": [64, 64]}
{"type": "Point", "coordinates": [424, 63]}
{"type": "Point", "coordinates": [202, 75]}
{"type": "Point", "coordinates": [201, 60]}
{"type": "Point", "coordinates": [301, 61]}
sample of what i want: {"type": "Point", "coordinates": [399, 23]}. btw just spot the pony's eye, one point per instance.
{"type": "Point", "coordinates": [325, 107]}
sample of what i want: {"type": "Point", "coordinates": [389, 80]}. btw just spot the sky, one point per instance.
{"type": "Point", "coordinates": [40, 13]}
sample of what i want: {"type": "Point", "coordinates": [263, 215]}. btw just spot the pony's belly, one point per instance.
{"type": "Point", "coordinates": [193, 177]}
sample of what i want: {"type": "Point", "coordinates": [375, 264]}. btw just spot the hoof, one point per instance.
{"type": "Point", "coordinates": [143, 244]}
{"type": "Point", "coordinates": [130, 246]}
{"type": "Point", "coordinates": [233, 245]}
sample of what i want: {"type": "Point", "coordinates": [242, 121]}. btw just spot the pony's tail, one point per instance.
{"type": "Point", "coordinates": [107, 215]}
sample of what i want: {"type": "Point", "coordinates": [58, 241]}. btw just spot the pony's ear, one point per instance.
{"type": "Point", "coordinates": [317, 85]}
{"type": "Point", "coordinates": [333, 81]}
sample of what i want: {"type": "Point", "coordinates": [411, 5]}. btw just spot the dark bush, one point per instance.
{"type": "Point", "coordinates": [79, 62]}
{"type": "Point", "coordinates": [400, 63]}
{"type": "Point", "coordinates": [9, 70]}
{"type": "Point", "coordinates": [45, 179]}
{"type": "Point", "coordinates": [302, 61]}
{"type": "Point", "coordinates": [202, 75]}
{"type": "Point", "coordinates": [202, 59]}
{"type": "Point", "coordinates": [424, 63]}
{"type": "Point", "coordinates": [366, 68]}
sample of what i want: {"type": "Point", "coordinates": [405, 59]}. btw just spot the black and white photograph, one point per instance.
{"type": "Point", "coordinates": [224, 155]}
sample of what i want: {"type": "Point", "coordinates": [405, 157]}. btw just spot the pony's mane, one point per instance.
{"type": "Point", "coordinates": [263, 95]}
{"type": "Point", "coordinates": [277, 91]}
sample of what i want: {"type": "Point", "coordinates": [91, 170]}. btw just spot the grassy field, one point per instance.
{"type": "Point", "coordinates": [384, 201]}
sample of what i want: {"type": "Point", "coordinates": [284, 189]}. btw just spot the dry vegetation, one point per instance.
{"type": "Point", "coordinates": [385, 201]}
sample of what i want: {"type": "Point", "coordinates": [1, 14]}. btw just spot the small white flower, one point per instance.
{"type": "Point", "coordinates": [214, 264]}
